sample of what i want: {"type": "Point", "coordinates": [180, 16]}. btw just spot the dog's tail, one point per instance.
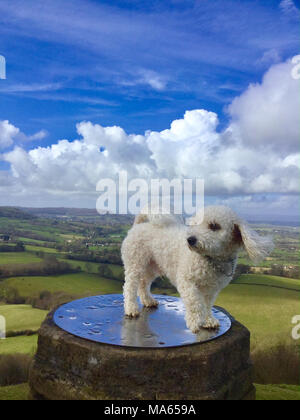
{"type": "Point", "coordinates": [156, 218]}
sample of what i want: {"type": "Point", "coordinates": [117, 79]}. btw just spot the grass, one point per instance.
{"type": "Point", "coordinates": [34, 241]}
{"type": "Point", "coordinates": [14, 393]}
{"type": "Point", "coordinates": [263, 393]}
{"type": "Point", "coordinates": [22, 317]}
{"type": "Point", "coordinates": [7, 258]}
{"type": "Point", "coordinates": [71, 236]}
{"type": "Point", "coordinates": [116, 269]}
{"type": "Point", "coordinates": [33, 248]}
{"type": "Point", "coordinates": [266, 311]}
{"type": "Point", "coordinates": [21, 345]}
{"type": "Point", "coordinates": [277, 392]}
{"type": "Point", "coordinates": [270, 281]}
{"type": "Point", "coordinates": [81, 284]}
{"type": "Point", "coordinates": [82, 264]}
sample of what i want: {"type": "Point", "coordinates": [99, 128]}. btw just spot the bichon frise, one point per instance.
{"type": "Point", "coordinates": [199, 258]}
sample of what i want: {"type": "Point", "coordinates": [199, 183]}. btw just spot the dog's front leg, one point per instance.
{"type": "Point", "coordinates": [211, 322]}
{"type": "Point", "coordinates": [130, 294]}
{"type": "Point", "coordinates": [195, 306]}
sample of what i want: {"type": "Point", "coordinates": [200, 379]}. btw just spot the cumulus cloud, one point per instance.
{"type": "Point", "coordinates": [7, 134]}
{"type": "Point", "coordinates": [268, 113]}
{"type": "Point", "coordinates": [256, 154]}
{"type": "Point", "coordinates": [40, 135]}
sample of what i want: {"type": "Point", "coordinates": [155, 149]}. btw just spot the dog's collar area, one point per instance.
{"type": "Point", "coordinates": [219, 264]}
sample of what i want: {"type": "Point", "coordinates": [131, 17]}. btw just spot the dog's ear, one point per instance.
{"type": "Point", "coordinates": [257, 247]}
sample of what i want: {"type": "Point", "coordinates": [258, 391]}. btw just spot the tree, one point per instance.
{"type": "Point", "coordinates": [88, 267]}
{"type": "Point", "coordinates": [105, 271]}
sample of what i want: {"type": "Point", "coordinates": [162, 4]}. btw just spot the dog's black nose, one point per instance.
{"type": "Point", "coordinates": [192, 240]}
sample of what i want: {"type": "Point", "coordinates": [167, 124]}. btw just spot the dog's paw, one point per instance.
{"type": "Point", "coordinates": [194, 326]}
{"type": "Point", "coordinates": [150, 303]}
{"type": "Point", "coordinates": [133, 314]}
{"type": "Point", "coordinates": [195, 329]}
{"type": "Point", "coordinates": [211, 323]}
{"type": "Point", "coordinates": [132, 311]}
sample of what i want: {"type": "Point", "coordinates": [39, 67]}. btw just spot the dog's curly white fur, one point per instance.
{"type": "Point", "coordinates": [199, 258]}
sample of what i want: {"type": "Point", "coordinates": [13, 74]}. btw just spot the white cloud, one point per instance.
{"type": "Point", "coordinates": [289, 8]}
{"type": "Point", "coordinates": [256, 154]}
{"type": "Point", "coordinates": [268, 113]}
{"type": "Point", "coordinates": [261, 207]}
{"type": "Point", "coordinates": [7, 134]}
{"type": "Point", "coordinates": [154, 80]}
{"type": "Point", "coordinates": [34, 87]}
{"type": "Point", "coordinates": [145, 77]}
{"type": "Point", "coordinates": [269, 57]}
{"type": "Point", "coordinates": [40, 135]}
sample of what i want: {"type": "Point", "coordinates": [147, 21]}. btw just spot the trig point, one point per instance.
{"type": "Point", "coordinates": [88, 350]}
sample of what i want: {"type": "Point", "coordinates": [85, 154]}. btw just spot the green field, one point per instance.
{"type": "Point", "coordinates": [35, 241]}
{"type": "Point", "coordinates": [266, 311]}
{"type": "Point", "coordinates": [81, 284]}
{"type": "Point", "coordinates": [264, 304]}
{"type": "Point", "coordinates": [71, 236]}
{"type": "Point", "coordinates": [14, 393]}
{"type": "Point", "coordinates": [274, 281]}
{"type": "Point", "coordinates": [7, 258]}
{"type": "Point", "coordinates": [22, 344]}
{"type": "Point", "coordinates": [277, 392]}
{"type": "Point", "coordinates": [22, 317]}
{"type": "Point", "coordinates": [117, 270]}
{"type": "Point", "coordinates": [34, 248]}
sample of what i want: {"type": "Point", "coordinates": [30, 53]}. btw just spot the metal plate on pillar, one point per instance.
{"type": "Point", "coordinates": [101, 319]}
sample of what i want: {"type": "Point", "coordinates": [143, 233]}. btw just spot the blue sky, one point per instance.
{"type": "Point", "coordinates": [137, 65]}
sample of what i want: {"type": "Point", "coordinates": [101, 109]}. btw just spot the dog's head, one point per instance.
{"type": "Point", "coordinates": [222, 234]}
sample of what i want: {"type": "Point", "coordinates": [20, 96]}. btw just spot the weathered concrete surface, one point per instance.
{"type": "Point", "coordinates": [70, 368]}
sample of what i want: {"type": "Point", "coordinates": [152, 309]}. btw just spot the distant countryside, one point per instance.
{"type": "Point", "coordinates": [51, 256]}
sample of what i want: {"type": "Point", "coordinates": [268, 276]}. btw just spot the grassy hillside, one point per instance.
{"type": "Point", "coordinates": [35, 248]}
{"type": "Point", "coordinates": [14, 393]}
{"type": "Point", "coordinates": [22, 345]}
{"type": "Point", "coordinates": [278, 392]}
{"type": "Point", "coordinates": [274, 281]}
{"type": "Point", "coordinates": [22, 317]}
{"type": "Point", "coordinates": [266, 311]}
{"type": "Point", "coordinates": [81, 284]}
{"type": "Point", "coordinates": [7, 258]}
{"type": "Point", "coordinates": [15, 213]}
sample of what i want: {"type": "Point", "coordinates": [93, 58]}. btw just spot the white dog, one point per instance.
{"type": "Point", "coordinates": [199, 259]}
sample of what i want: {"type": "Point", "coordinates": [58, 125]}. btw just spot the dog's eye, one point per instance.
{"type": "Point", "coordinates": [214, 226]}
